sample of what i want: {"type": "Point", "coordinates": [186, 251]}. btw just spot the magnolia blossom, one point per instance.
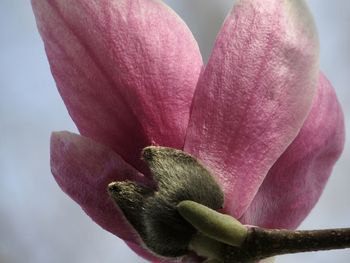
{"type": "Point", "coordinates": [259, 114]}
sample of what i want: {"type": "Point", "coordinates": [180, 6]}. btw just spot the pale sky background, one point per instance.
{"type": "Point", "coordinates": [38, 222]}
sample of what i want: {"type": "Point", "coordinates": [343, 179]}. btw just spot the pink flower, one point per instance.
{"type": "Point", "coordinates": [259, 114]}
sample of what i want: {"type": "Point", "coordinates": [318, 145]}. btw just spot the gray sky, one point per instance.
{"type": "Point", "coordinates": [38, 222]}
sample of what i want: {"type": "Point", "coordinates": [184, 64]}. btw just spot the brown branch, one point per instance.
{"type": "Point", "coordinates": [263, 243]}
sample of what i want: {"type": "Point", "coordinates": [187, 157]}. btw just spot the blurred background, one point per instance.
{"type": "Point", "coordinates": [38, 222]}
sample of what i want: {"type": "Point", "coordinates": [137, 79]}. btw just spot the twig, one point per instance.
{"type": "Point", "coordinates": [263, 243]}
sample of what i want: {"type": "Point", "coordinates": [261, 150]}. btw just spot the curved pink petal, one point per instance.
{"type": "Point", "coordinates": [192, 258]}
{"type": "Point", "coordinates": [145, 253]}
{"type": "Point", "coordinates": [83, 169]}
{"type": "Point", "coordinates": [126, 70]}
{"type": "Point", "coordinates": [254, 94]}
{"type": "Point", "coordinates": [296, 181]}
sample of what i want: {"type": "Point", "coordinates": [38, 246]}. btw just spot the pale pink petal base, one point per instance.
{"type": "Point", "coordinates": [254, 94]}
{"type": "Point", "coordinates": [296, 181]}
{"type": "Point", "coordinates": [192, 258]}
{"type": "Point", "coordinates": [83, 169]}
{"type": "Point", "coordinates": [148, 255]}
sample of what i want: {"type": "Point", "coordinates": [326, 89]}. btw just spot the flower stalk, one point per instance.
{"type": "Point", "coordinates": [223, 228]}
{"type": "Point", "coordinates": [255, 243]}
{"type": "Point", "coordinates": [263, 243]}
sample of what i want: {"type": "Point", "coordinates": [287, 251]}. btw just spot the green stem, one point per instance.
{"type": "Point", "coordinates": [215, 225]}
{"type": "Point", "coordinates": [207, 247]}
{"type": "Point", "coordinates": [225, 239]}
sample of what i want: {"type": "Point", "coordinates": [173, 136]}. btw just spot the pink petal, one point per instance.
{"type": "Point", "coordinates": [143, 252]}
{"type": "Point", "coordinates": [83, 169]}
{"type": "Point", "coordinates": [125, 69]}
{"type": "Point", "coordinates": [254, 94]}
{"type": "Point", "coordinates": [192, 258]}
{"type": "Point", "coordinates": [296, 181]}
